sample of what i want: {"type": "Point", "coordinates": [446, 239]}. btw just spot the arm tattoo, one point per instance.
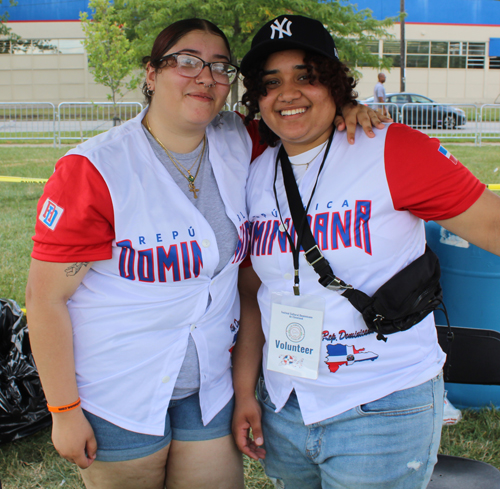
{"type": "Point", "coordinates": [72, 270]}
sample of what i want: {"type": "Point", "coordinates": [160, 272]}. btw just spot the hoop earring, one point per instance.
{"type": "Point", "coordinates": [149, 92]}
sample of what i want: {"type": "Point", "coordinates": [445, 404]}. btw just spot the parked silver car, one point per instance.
{"type": "Point", "coordinates": [419, 111]}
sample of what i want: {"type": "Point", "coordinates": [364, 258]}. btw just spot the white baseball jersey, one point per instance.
{"type": "Point", "coordinates": [363, 216]}
{"type": "Point", "coordinates": [132, 314]}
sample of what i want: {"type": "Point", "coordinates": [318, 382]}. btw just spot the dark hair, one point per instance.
{"type": "Point", "coordinates": [170, 36]}
{"type": "Point", "coordinates": [331, 73]}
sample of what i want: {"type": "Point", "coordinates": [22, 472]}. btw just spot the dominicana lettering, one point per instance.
{"type": "Point", "coordinates": [170, 262]}
{"type": "Point", "coordinates": [243, 242]}
{"type": "Point", "coordinates": [330, 230]}
{"type": "Point", "coordinates": [159, 264]}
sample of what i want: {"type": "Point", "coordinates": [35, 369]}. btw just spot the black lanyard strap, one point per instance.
{"type": "Point", "coordinates": [305, 239]}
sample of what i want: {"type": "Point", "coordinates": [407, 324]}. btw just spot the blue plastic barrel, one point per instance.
{"type": "Point", "coordinates": [470, 278]}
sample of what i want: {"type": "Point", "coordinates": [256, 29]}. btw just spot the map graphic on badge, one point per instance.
{"type": "Point", "coordinates": [295, 332]}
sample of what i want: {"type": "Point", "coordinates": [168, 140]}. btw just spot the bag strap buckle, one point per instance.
{"type": "Point", "coordinates": [334, 283]}
{"type": "Point", "coordinates": [316, 255]}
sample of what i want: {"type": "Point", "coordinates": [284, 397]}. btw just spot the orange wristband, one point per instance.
{"type": "Point", "coordinates": [63, 409]}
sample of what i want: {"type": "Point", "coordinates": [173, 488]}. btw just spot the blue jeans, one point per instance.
{"type": "Point", "coordinates": [182, 422]}
{"type": "Point", "coordinates": [391, 443]}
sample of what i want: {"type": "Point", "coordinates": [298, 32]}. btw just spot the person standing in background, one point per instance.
{"type": "Point", "coordinates": [379, 94]}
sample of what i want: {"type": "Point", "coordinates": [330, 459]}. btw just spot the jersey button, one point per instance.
{"type": "Point", "coordinates": [288, 276]}
{"type": "Point", "coordinates": [282, 227]}
{"type": "Point", "coordinates": [193, 327]}
{"type": "Point", "coordinates": [165, 379]}
{"type": "Point", "coordinates": [205, 243]}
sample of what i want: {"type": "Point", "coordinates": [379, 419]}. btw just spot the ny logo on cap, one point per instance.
{"type": "Point", "coordinates": [281, 28]}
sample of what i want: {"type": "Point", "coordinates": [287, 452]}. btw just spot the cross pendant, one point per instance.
{"type": "Point", "coordinates": [193, 189]}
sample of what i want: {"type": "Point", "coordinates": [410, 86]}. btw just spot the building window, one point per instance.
{"type": "Point", "coordinates": [42, 46]}
{"type": "Point", "coordinates": [392, 49]}
{"type": "Point", "coordinates": [467, 54]}
{"type": "Point", "coordinates": [475, 55]}
{"type": "Point", "coordinates": [372, 47]}
{"type": "Point", "coordinates": [495, 63]}
{"type": "Point", "coordinates": [438, 54]}
{"type": "Point", "coordinates": [417, 54]}
{"type": "Point", "coordinates": [70, 46]}
{"type": "Point", "coordinates": [5, 47]}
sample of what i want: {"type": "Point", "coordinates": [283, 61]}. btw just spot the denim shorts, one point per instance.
{"type": "Point", "coordinates": [391, 443]}
{"type": "Point", "coordinates": [182, 423]}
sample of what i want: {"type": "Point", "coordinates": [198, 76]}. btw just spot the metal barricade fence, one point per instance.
{"type": "Point", "coordinates": [78, 121]}
{"type": "Point", "coordinates": [450, 121]}
{"type": "Point", "coordinates": [489, 122]}
{"type": "Point", "coordinates": [27, 121]}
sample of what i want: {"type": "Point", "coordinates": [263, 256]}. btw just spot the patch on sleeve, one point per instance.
{"type": "Point", "coordinates": [448, 155]}
{"type": "Point", "coordinates": [51, 213]}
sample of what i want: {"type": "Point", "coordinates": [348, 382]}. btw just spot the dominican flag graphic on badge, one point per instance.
{"type": "Point", "coordinates": [448, 155]}
{"type": "Point", "coordinates": [51, 213]}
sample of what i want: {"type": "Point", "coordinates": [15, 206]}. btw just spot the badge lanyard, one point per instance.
{"type": "Point", "coordinates": [286, 167]}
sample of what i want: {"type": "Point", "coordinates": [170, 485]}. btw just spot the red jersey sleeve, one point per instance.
{"type": "Point", "coordinates": [425, 178]}
{"type": "Point", "coordinates": [253, 132]}
{"type": "Point", "coordinates": [75, 218]}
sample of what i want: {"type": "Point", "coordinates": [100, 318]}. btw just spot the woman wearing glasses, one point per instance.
{"type": "Point", "coordinates": [132, 293]}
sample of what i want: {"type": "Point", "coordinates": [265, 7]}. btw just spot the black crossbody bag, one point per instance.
{"type": "Point", "coordinates": [403, 301]}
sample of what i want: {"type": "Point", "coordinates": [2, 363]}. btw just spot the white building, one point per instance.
{"type": "Point", "coordinates": [452, 49]}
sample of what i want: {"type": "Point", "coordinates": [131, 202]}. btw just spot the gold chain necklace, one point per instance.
{"type": "Point", "coordinates": [309, 162]}
{"type": "Point", "coordinates": [190, 178]}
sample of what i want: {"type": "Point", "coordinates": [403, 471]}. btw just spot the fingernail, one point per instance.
{"type": "Point", "coordinates": [351, 141]}
{"type": "Point", "coordinates": [259, 441]}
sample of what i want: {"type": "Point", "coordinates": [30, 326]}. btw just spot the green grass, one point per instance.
{"type": "Point", "coordinates": [17, 220]}
{"type": "Point", "coordinates": [47, 137]}
{"type": "Point", "coordinates": [32, 462]}
{"type": "Point", "coordinates": [477, 437]}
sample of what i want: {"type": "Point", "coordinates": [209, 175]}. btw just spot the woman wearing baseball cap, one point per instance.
{"type": "Point", "coordinates": [337, 407]}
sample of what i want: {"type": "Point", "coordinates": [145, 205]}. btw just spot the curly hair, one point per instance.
{"type": "Point", "coordinates": [331, 73]}
{"type": "Point", "coordinates": [169, 37]}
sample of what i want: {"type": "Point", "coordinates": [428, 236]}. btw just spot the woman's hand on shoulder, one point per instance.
{"type": "Point", "coordinates": [247, 415]}
{"type": "Point", "coordinates": [74, 438]}
{"type": "Point", "coordinates": [366, 117]}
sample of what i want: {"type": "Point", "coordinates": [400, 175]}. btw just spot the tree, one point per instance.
{"type": "Point", "coordinates": [109, 52]}
{"type": "Point", "coordinates": [240, 20]}
{"type": "Point", "coordinates": [6, 32]}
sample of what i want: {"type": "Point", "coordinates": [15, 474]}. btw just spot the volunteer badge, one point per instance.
{"type": "Point", "coordinates": [294, 340]}
{"type": "Point", "coordinates": [51, 213]}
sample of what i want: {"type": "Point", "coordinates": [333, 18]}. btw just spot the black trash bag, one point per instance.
{"type": "Point", "coordinates": [23, 409]}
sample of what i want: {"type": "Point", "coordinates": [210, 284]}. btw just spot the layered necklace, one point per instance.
{"type": "Point", "coordinates": [188, 176]}
{"type": "Point", "coordinates": [314, 157]}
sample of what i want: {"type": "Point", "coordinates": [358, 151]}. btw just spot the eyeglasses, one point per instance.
{"type": "Point", "coordinates": [191, 66]}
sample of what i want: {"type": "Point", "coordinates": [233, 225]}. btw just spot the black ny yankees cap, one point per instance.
{"type": "Point", "coordinates": [289, 32]}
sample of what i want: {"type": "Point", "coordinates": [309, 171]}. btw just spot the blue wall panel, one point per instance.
{"type": "Point", "coordinates": [482, 12]}
{"type": "Point", "coordinates": [486, 12]}
{"type": "Point", "coordinates": [44, 9]}
{"type": "Point", "coordinates": [494, 46]}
